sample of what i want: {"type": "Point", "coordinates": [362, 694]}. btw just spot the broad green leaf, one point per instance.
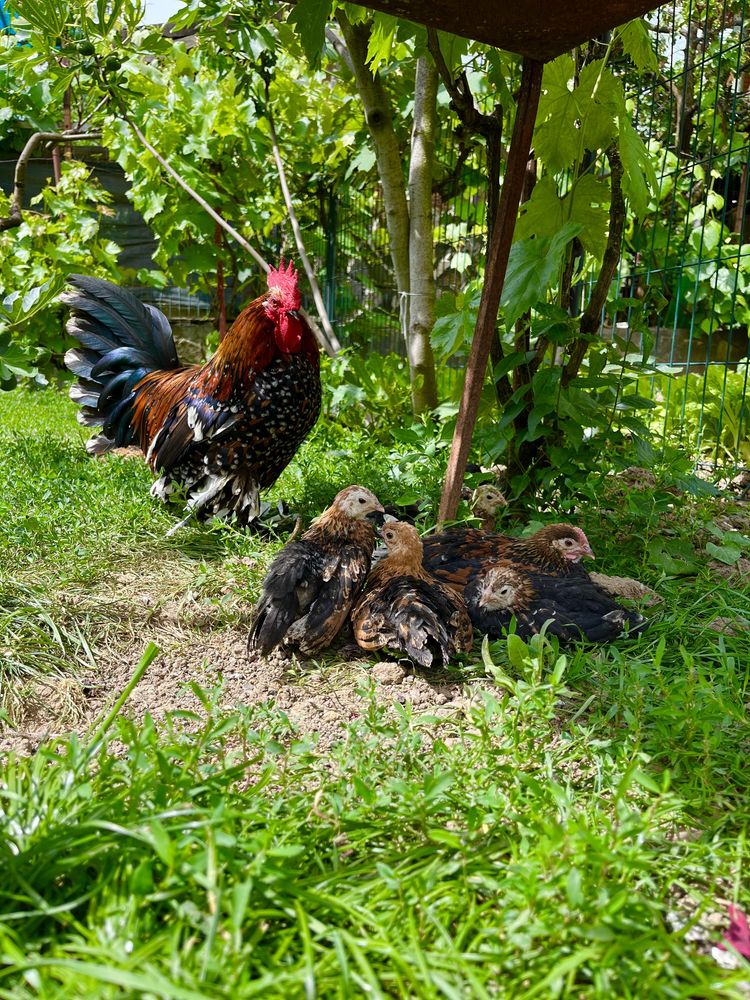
{"type": "Point", "coordinates": [557, 137]}
{"type": "Point", "coordinates": [381, 40]}
{"type": "Point", "coordinates": [728, 554]}
{"type": "Point", "coordinates": [639, 177]}
{"type": "Point", "coordinates": [532, 268]}
{"type": "Point", "coordinates": [600, 102]}
{"type": "Point", "coordinates": [587, 203]}
{"type": "Point", "coordinates": [310, 17]}
{"type": "Point", "coordinates": [542, 214]}
{"type": "Point", "coordinates": [518, 651]}
{"type": "Point", "coordinates": [451, 333]}
{"type": "Point", "coordinates": [452, 47]}
{"type": "Point", "coordinates": [512, 361]}
{"type": "Point", "coordinates": [636, 42]}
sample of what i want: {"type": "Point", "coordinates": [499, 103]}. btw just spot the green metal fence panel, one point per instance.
{"type": "Point", "coordinates": [686, 268]}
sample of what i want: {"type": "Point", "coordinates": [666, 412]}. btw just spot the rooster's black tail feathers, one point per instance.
{"type": "Point", "coordinates": [122, 339]}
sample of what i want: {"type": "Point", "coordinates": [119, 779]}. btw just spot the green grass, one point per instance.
{"type": "Point", "coordinates": [530, 847]}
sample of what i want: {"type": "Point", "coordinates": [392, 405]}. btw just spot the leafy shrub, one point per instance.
{"type": "Point", "coordinates": [60, 238]}
{"type": "Point", "coordinates": [708, 413]}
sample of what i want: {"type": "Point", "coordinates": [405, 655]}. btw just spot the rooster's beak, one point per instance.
{"type": "Point", "coordinates": [294, 313]}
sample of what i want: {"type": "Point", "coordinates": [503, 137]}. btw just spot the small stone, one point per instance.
{"type": "Point", "coordinates": [388, 673]}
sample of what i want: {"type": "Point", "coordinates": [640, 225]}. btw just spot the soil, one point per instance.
{"type": "Point", "coordinates": [319, 698]}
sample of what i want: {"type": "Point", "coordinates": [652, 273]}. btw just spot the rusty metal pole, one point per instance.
{"type": "Point", "coordinates": [497, 263]}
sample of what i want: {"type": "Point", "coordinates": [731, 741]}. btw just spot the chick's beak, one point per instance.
{"type": "Point", "coordinates": [587, 552]}
{"type": "Point", "coordinates": [377, 516]}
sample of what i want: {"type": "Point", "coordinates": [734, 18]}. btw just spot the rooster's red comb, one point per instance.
{"type": "Point", "coordinates": [284, 279]}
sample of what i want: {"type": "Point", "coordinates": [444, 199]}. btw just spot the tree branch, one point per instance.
{"type": "Point", "coordinates": [379, 117]}
{"type": "Point", "coordinates": [592, 314]}
{"type": "Point", "coordinates": [19, 180]}
{"type": "Point", "coordinates": [331, 343]}
{"type": "Point", "coordinates": [212, 212]}
{"type": "Point", "coordinates": [490, 127]}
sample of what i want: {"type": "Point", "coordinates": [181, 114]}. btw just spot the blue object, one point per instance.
{"type": "Point", "coordinates": [5, 20]}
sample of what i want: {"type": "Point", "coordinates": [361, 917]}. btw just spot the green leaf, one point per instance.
{"type": "Point", "coordinates": [518, 651]}
{"type": "Point", "coordinates": [439, 836]}
{"type": "Point", "coordinates": [557, 137]}
{"type": "Point", "coordinates": [381, 40]}
{"type": "Point", "coordinates": [639, 177]}
{"type": "Point", "coordinates": [453, 332]}
{"type": "Point", "coordinates": [452, 47]}
{"type": "Point", "coordinates": [728, 554]}
{"type": "Point", "coordinates": [600, 102]}
{"type": "Point", "coordinates": [573, 887]}
{"type": "Point", "coordinates": [310, 17]}
{"type": "Point", "coordinates": [532, 269]}
{"type": "Point", "coordinates": [587, 203]}
{"type": "Point", "coordinates": [542, 214]}
{"type": "Point", "coordinates": [636, 42]}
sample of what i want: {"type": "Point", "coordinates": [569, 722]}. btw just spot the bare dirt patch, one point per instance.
{"type": "Point", "coordinates": [199, 647]}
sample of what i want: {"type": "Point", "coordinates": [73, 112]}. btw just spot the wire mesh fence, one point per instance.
{"type": "Point", "coordinates": [690, 264]}
{"type": "Point", "coordinates": [686, 269]}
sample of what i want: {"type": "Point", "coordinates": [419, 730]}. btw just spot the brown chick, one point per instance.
{"type": "Point", "coordinates": [486, 501]}
{"type": "Point", "coordinates": [459, 555]}
{"type": "Point", "coordinates": [405, 609]}
{"type": "Point", "coordinates": [574, 608]}
{"type": "Point", "coordinates": [313, 582]}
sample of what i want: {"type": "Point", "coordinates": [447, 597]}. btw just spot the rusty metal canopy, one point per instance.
{"type": "Point", "coordinates": [539, 29]}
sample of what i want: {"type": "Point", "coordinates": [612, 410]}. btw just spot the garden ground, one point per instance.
{"type": "Point", "coordinates": [529, 824]}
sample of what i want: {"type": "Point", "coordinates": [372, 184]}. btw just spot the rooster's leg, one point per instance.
{"type": "Point", "coordinates": [199, 500]}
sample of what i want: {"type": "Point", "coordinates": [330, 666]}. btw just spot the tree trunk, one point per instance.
{"type": "Point", "coordinates": [379, 117]}
{"type": "Point", "coordinates": [421, 251]}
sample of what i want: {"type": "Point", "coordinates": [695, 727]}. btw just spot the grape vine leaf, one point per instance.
{"type": "Point", "coordinates": [532, 268]}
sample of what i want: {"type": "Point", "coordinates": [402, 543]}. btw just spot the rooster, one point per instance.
{"type": "Point", "coordinates": [216, 433]}
{"type": "Point", "coordinates": [313, 582]}
{"type": "Point", "coordinates": [574, 608]}
{"type": "Point", "coordinates": [408, 611]}
{"type": "Point", "coordinates": [460, 554]}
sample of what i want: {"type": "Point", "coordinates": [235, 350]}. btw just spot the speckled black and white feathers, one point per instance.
{"type": "Point", "coordinates": [406, 611]}
{"type": "Point", "coordinates": [573, 608]}
{"type": "Point", "coordinates": [214, 433]}
{"type": "Point", "coordinates": [313, 582]}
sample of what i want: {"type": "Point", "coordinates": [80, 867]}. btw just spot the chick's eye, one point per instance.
{"type": "Point", "coordinates": [361, 499]}
{"type": "Point", "coordinates": [568, 542]}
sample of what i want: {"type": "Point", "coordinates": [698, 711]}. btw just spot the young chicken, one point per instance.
{"type": "Point", "coordinates": [406, 610]}
{"type": "Point", "coordinates": [456, 557]}
{"type": "Point", "coordinates": [313, 582]}
{"type": "Point", "coordinates": [486, 501]}
{"type": "Point", "coordinates": [575, 607]}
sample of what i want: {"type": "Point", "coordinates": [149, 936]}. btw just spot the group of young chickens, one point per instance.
{"type": "Point", "coordinates": [425, 599]}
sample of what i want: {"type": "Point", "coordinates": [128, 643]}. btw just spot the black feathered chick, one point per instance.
{"type": "Point", "coordinates": [406, 610]}
{"type": "Point", "coordinates": [459, 555]}
{"type": "Point", "coordinates": [575, 608]}
{"type": "Point", "coordinates": [313, 582]}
